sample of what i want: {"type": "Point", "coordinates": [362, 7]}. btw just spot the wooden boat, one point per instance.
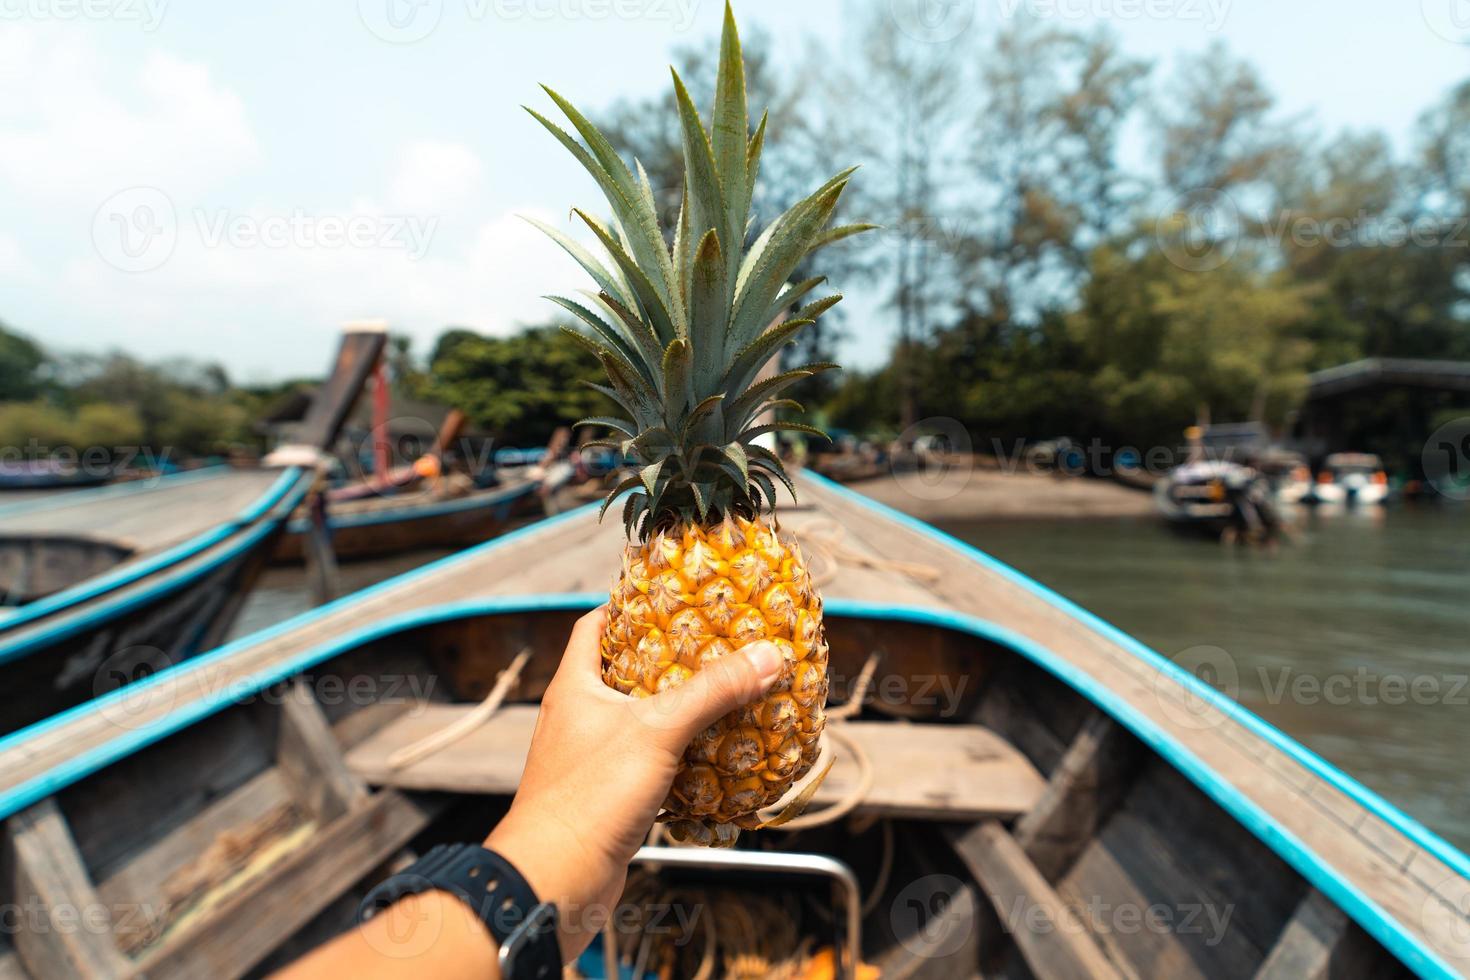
{"type": "Point", "coordinates": [1220, 499]}
{"type": "Point", "coordinates": [1023, 791]}
{"type": "Point", "coordinates": [398, 509]}
{"type": "Point", "coordinates": [371, 527]}
{"type": "Point", "coordinates": [104, 585]}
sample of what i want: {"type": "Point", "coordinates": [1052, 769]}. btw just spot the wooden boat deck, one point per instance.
{"type": "Point", "coordinates": [1353, 850]}
{"type": "Point", "coordinates": [924, 772]}
{"type": "Point", "coordinates": [143, 517]}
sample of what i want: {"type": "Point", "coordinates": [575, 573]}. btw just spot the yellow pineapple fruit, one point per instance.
{"type": "Point", "coordinates": [692, 594]}
{"type": "Point", "coordinates": [684, 330]}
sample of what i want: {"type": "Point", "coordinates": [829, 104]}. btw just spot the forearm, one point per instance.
{"type": "Point", "coordinates": [433, 934]}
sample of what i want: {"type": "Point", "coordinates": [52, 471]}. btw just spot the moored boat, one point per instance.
{"type": "Point", "coordinates": [1220, 498]}
{"type": "Point", "coordinates": [442, 516]}
{"type": "Point", "coordinates": [1020, 789]}
{"type": "Point", "coordinates": [104, 585]}
{"type": "Point", "coordinates": [415, 505]}
{"type": "Point", "coordinates": [1351, 479]}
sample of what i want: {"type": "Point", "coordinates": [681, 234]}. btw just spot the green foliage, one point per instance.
{"type": "Point", "coordinates": [521, 388]}
{"type": "Point", "coordinates": [20, 366]}
{"type": "Point", "coordinates": [1170, 345]}
{"type": "Point", "coordinates": [38, 429]}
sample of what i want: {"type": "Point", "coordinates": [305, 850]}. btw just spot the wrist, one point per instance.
{"type": "Point", "coordinates": [559, 872]}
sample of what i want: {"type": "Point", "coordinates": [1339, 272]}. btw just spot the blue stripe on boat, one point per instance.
{"type": "Point", "coordinates": [285, 494]}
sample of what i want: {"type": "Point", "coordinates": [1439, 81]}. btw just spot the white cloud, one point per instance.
{"type": "Point", "coordinates": [83, 126]}
{"type": "Point", "coordinates": [272, 310]}
{"type": "Point", "coordinates": [14, 265]}
{"type": "Point", "coordinates": [260, 284]}
{"type": "Point", "coordinates": [433, 175]}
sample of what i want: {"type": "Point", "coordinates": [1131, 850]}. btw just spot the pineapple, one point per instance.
{"type": "Point", "coordinates": [683, 329]}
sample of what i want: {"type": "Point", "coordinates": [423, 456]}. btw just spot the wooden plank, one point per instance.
{"type": "Point", "coordinates": [257, 916]}
{"type": "Point", "coordinates": [141, 880]}
{"type": "Point", "coordinates": [952, 772]}
{"type": "Point", "coordinates": [147, 519]}
{"type": "Point", "coordinates": [1309, 942]}
{"type": "Point", "coordinates": [1157, 915]}
{"type": "Point", "coordinates": [1081, 793]}
{"type": "Point", "coordinates": [144, 797]}
{"type": "Point", "coordinates": [310, 758]}
{"type": "Point", "coordinates": [1052, 939]}
{"type": "Point", "coordinates": [50, 880]}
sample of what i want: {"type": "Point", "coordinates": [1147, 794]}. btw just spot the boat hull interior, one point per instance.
{"type": "Point", "coordinates": [1010, 827]}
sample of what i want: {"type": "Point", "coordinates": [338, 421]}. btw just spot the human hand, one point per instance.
{"type": "Point", "coordinates": [599, 768]}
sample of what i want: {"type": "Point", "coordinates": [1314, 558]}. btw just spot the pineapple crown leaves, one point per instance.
{"type": "Point", "coordinates": [684, 331]}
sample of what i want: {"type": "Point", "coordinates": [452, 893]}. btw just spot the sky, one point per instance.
{"type": "Point", "coordinates": [232, 182]}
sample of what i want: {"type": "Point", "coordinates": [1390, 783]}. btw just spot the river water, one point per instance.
{"type": "Point", "coordinates": [1354, 638]}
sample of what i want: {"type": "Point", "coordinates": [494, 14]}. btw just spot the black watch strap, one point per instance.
{"type": "Point", "coordinates": [524, 927]}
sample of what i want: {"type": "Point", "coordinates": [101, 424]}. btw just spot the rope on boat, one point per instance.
{"type": "Point", "coordinates": [460, 727]}
{"type": "Point", "coordinates": [823, 538]}
{"type": "Point", "coordinates": [864, 784]}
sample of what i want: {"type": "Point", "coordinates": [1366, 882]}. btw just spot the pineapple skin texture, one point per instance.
{"type": "Point", "coordinates": [690, 595]}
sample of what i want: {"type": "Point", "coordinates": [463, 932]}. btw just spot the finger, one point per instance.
{"type": "Point", "coordinates": [582, 658]}
{"type": "Point", "coordinates": [719, 688]}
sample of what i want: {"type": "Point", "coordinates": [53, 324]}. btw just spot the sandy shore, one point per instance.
{"type": "Point", "coordinates": [971, 493]}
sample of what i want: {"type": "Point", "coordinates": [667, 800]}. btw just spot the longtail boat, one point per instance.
{"type": "Point", "coordinates": [107, 584]}
{"type": "Point", "coordinates": [431, 517]}
{"type": "Point", "coordinates": [403, 508]}
{"type": "Point", "coordinates": [1019, 790]}
{"type": "Point", "coordinates": [377, 526]}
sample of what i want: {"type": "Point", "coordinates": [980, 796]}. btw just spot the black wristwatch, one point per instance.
{"type": "Point", "coordinates": [524, 927]}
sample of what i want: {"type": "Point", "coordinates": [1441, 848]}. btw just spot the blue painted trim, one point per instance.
{"type": "Point", "coordinates": [86, 763]}
{"type": "Point", "coordinates": [1387, 930]}
{"type": "Point", "coordinates": [71, 497]}
{"type": "Point", "coordinates": [298, 621]}
{"type": "Point", "coordinates": [410, 512]}
{"type": "Point", "coordinates": [129, 573]}
{"type": "Point", "coordinates": [70, 625]}
{"type": "Point", "coordinates": [1366, 797]}
{"type": "Point", "coordinates": [282, 497]}
{"type": "Point", "coordinates": [272, 496]}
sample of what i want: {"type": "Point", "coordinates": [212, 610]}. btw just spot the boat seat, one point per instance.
{"type": "Point", "coordinates": [922, 771]}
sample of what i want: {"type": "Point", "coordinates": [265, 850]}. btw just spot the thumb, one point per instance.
{"type": "Point", "coordinates": [730, 682]}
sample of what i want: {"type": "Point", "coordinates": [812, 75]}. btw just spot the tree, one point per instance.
{"type": "Point", "coordinates": [1216, 130]}
{"type": "Point", "coordinates": [20, 366]}
{"type": "Point", "coordinates": [897, 108]}
{"type": "Point", "coordinates": [1169, 346]}
{"type": "Point", "coordinates": [1053, 105]}
{"type": "Point", "coordinates": [522, 388]}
